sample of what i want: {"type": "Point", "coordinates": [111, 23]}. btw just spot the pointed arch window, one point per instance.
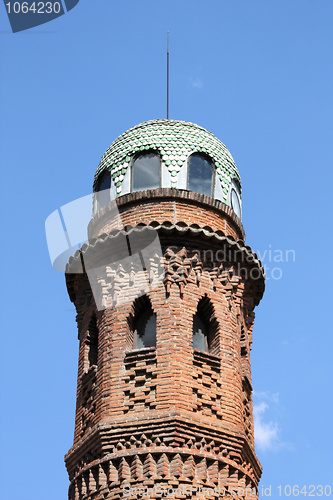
{"type": "Point", "coordinates": [145, 329]}
{"type": "Point", "coordinates": [205, 328]}
{"type": "Point", "coordinates": [141, 325]}
{"type": "Point", "coordinates": [146, 171]}
{"type": "Point", "coordinates": [200, 174]}
{"type": "Point", "coordinates": [200, 334]}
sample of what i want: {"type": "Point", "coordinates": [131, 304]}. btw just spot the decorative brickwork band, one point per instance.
{"type": "Point", "coordinates": [175, 473]}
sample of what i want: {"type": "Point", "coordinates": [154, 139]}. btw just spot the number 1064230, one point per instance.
{"type": "Point", "coordinates": [34, 8]}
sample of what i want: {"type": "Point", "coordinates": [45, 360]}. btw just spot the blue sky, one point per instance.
{"type": "Point", "coordinates": [259, 76]}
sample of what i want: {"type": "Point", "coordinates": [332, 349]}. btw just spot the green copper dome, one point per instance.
{"type": "Point", "coordinates": [175, 141]}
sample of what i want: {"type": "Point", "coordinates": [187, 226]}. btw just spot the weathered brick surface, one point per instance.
{"type": "Point", "coordinates": [168, 415]}
{"type": "Point", "coordinates": [173, 205]}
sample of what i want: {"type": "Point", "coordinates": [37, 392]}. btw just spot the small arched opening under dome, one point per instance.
{"type": "Point", "coordinates": [234, 197]}
{"type": "Point", "coordinates": [205, 328]}
{"type": "Point", "coordinates": [146, 171]}
{"type": "Point", "coordinates": [200, 174]}
{"type": "Point", "coordinates": [103, 189]}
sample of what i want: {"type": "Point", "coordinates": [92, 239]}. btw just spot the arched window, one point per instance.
{"type": "Point", "coordinates": [103, 189]}
{"type": "Point", "coordinates": [91, 350]}
{"type": "Point", "coordinates": [205, 328]}
{"type": "Point", "coordinates": [200, 334]}
{"type": "Point", "coordinates": [200, 174]}
{"type": "Point", "coordinates": [145, 329]}
{"type": "Point", "coordinates": [146, 171]}
{"type": "Point", "coordinates": [141, 325]}
{"type": "Point", "coordinates": [234, 197]}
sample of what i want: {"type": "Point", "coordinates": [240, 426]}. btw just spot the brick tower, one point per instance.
{"type": "Point", "coordinates": [164, 394]}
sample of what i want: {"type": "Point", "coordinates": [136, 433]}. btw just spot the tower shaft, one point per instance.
{"type": "Point", "coordinates": [170, 416]}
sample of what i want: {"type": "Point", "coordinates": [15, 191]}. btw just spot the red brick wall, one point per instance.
{"type": "Point", "coordinates": [166, 415]}
{"type": "Point", "coordinates": [172, 205]}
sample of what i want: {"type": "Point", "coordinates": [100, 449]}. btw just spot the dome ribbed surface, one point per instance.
{"type": "Point", "coordinates": [175, 141]}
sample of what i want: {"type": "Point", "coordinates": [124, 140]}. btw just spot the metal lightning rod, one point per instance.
{"type": "Point", "coordinates": [168, 77]}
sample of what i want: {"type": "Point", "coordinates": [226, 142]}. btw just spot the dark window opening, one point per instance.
{"type": "Point", "coordinates": [141, 325]}
{"type": "Point", "coordinates": [146, 171]}
{"type": "Point", "coordinates": [200, 334]}
{"type": "Point", "coordinates": [145, 330]}
{"type": "Point", "coordinates": [243, 342]}
{"type": "Point", "coordinates": [200, 174]}
{"type": "Point", "coordinates": [103, 189]}
{"type": "Point", "coordinates": [243, 351]}
{"type": "Point", "coordinates": [205, 328]}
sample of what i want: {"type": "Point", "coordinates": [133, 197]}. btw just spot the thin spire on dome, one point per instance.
{"type": "Point", "coordinates": [168, 76]}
